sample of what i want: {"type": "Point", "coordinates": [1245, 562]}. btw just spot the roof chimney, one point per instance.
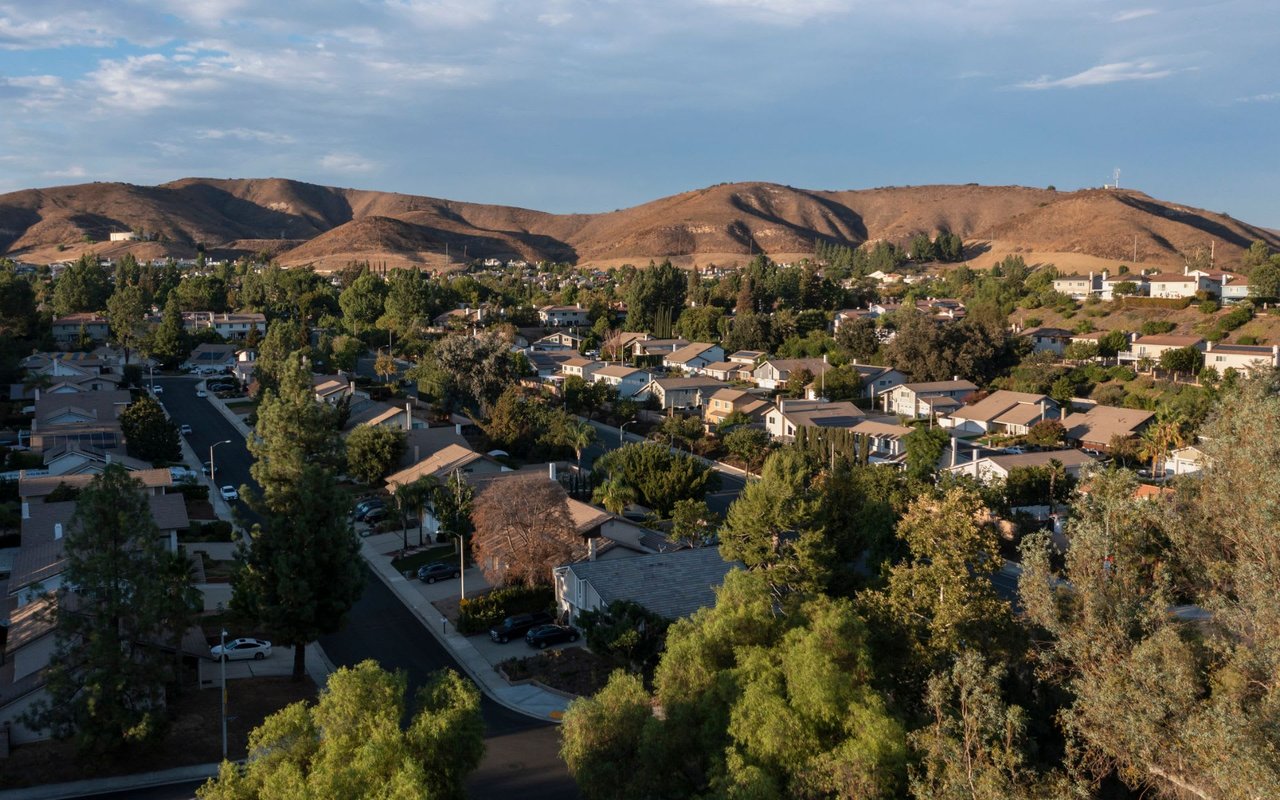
{"type": "Point", "coordinates": [1208, 346]}
{"type": "Point", "coordinates": [591, 548]}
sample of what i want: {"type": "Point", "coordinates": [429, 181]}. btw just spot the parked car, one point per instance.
{"type": "Point", "coordinates": [1016, 450]}
{"type": "Point", "coordinates": [201, 393]}
{"type": "Point", "coordinates": [544, 635]}
{"type": "Point", "coordinates": [376, 516]}
{"type": "Point", "coordinates": [183, 473]}
{"type": "Point", "coordinates": [517, 625]}
{"type": "Point", "coordinates": [157, 390]}
{"type": "Point", "coordinates": [437, 571]}
{"type": "Point", "coordinates": [184, 429]}
{"type": "Point", "coordinates": [238, 649]}
{"type": "Point", "coordinates": [229, 493]}
{"type": "Point", "coordinates": [365, 506]}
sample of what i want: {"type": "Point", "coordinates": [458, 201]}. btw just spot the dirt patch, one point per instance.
{"type": "Point", "coordinates": [574, 670]}
{"type": "Point", "coordinates": [449, 607]}
{"type": "Point", "coordinates": [195, 736]}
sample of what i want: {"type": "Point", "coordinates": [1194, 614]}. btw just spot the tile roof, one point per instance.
{"type": "Point", "coordinates": [673, 585]}
{"type": "Point", "coordinates": [1170, 340]}
{"type": "Point", "coordinates": [689, 352]}
{"type": "Point", "coordinates": [1004, 406]}
{"type": "Point", "coordinates": [43, 485]}
{"type": "Point", "coordinates": [1100, 423]}
{"type": "Point", "coordinates": [442, 462]}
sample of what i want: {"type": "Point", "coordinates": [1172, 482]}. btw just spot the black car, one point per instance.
{"type": "Point", "coordinates": [375, 516]}
{"type": "Point", "coordinates": [514, 626]}
{"type": "Point", "coordinates": [436, 571]}
{"type": "Point", "coordinates": [544, 635]}
{"type": "Point", "coordinates": [365, 509]}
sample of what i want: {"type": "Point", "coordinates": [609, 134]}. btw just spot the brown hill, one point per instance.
{"type": "Point", "coordinates": [301, 223]}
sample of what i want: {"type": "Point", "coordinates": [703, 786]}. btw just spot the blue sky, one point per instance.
{"type": "Point", "coordinates": [591, 105]}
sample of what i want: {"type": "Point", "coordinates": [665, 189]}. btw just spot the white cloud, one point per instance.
{"type": "Point", "coordinates": [1269, 97]}
{"type": "Point", "coordinates": [73, 171]}
{"type": "Point", "coordinates": [1101, 75]}
{"type": "Point", "coordinates": [789, 11]}
{"type": "Point", "coordinates": [1133, 13]}
{"type": "Point", "coordinates": [347, 163]}
{"type": "Point", "coordinates": [246, 135]}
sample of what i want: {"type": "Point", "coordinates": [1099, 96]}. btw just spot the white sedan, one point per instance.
{"type": "Point", "coordinates": [241, 649]}
{"type": "Point", "coordinates": [201, 393]}
{"type": "Point", "coordinates": [229, 493]}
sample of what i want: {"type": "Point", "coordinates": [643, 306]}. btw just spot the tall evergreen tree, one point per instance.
{"type": "Point", "coordinates": [293, 430]}
{"type": "Point", "coordinates": [127, 318]}
{"type": "Point", "coordinates": [83, 286]}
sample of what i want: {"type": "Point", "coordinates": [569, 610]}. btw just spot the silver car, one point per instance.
{"type": "Point", "coordinates": [238, 649]}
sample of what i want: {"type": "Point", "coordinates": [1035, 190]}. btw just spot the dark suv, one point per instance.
{"type": "Point", "coordinates": [437, 571]}
{"type": "Point", "coordinates": [515, 626]}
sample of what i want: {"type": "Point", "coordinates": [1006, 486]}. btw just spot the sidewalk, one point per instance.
{"type": "Point", "coordinates": [477, 657]}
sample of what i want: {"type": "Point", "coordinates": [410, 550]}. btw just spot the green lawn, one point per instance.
{"type": "Point", "coordinates": [441, 553]}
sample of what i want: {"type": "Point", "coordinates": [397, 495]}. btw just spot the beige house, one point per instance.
{"type": "Point", "coordinates": [1096, 428]}
{"type": "Point", "coordinates": [788, 416]}
{"type": "Point", "coordinates": [66, 330]}
{"type": "Point", "coordinates": [1153, 347]}
{"type": "Point", "coordinates": [580, 367]}
{"type": "Point", "coordinates": [678, 393]}
{"type": "Point", "coordinates": [774, 373]}
{"type": "Point", "coordinates": [927, 399]}
{"type": "Point", "coordinates": [725, 402]}
{"type": "Point", "coordinates": [693, 357]}
{"type": "Point", "coordinates": [999, 466]}
{"type": "Point", "coordinates": [1002, 412]}
{"type": "Point", "coordinates": [1242, 358]}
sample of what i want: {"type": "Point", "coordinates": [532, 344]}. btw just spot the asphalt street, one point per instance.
{"type": "Point", "coordinates": [522, 757]}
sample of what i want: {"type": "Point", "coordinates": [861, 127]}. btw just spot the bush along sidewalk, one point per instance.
{"type": "Point", "coordinates": [478, 614]}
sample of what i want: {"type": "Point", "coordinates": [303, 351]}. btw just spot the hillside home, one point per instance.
{"type": "Point", "coordinates": [1079, 287]}
{"type": "Point", "coordinates": [848, 314]}
{"type": "Point", "coordinates": [942, 308]}
{"type": "Point", "coordinates": [1173, 284]}
{"type": "Point", "coordinates": [580, 367]}
{"type": "Point", "coordinates": [1243, 358]}
{"type": "Point", "coordinates": [67, 330]}
{"type": "Point", "coordinates": [724, 402]}
{"type": "Point", "coordinates": [1141, 287]}
{"type": "Point", "coordinates": [1096, 428]}
{"type": "Point", "coordinates": [332, 389]}
{"type": "Point", "coordinates": [1190, 460]}
{"type": "Point", "coordinates": [887, 440]}
{"type": "Point", "coordinates": [456, 318]}
{"type": "Point", "coordinates": [726, 371]}
{"type": "Point", "coordinates": [693, 357]}
{"type": "Point", "coordinates": [672, 585]}
{"type": "Point", "coordinates": [927, 399]}
{"type": "Point", "coordinates": [876, 380]}
{"type": "Point", "coordinates": [216, 356]}
{"type": "Point", "coordinates": [1236, 291]}
{"type": "Point", "coordinates": [560, 340]}
{"type": "Point", "coordinates": [748, 358]}
{"type": "Point", "coordinates": [628, 381]}
{"type": "Point", "coordinates": [788, 416]}
{"type": "Point", "coordinates": [443, 463]}
{"type": "Point", "coordinates": [563, 316]}
{"type": "Point", "coordinates": [1048, 340]}
{"type": "Point", "coordinates": [993, 467]}
{"type": "Point", "coordinates": [654, 350]}
{"type": "Point", "coordinates": [1155, 346]}
{"type": "Point", "coordinates": [773, 373]}
{"type": "Point", "coordinates": [680, 393]}
{"type": "Point", "coordinates": [228, 326]}
{"type": "Point", "coordinates": [1004, 412]}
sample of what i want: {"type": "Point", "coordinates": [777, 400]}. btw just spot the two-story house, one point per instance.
{"type": "Point", "coordinates": [773, 373]}
{"type": "Point", "coordinates": [1048, 340]}
{"type": "Point", "coordinates": [1002, 412]}
{"type": "Point", "coordinates": [580, 367]}
{"type": "Point", "coordinates": [927, 399]}
{"type": "Point", "coordinates": [724, 402]}
{"type": "Point", "coordinates": [67, 329]}
{"type": "Point", "coordinates": [681, 393]}
{"type": "Point", "coordinates": [563, 316]}
{"type": "Point", "coordinates": [1154, 346]}
{"type": "Point", "coordinates": [1242, 358]}
{"type": "Point", "coordinates": [788, 416]}
{"type": "Point", "coordinates": [693, 357]}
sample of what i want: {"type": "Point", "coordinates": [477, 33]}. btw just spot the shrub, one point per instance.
{"type": "Point", "coordinates": [1235, 318]}
{"type": "Point", "coordinates": [192, 491]}
{"type": "Point", "coordinates": [216, 531]}
{"type": "Point", "coordinates": [1247, 340]}
{"type": "Point", "coordinates": [1208, 307]}
{"type": "Point", "coordinates": [480, 613]}
{"type": "Point", "coordinates": [1172, 303]}
{"type": "Point", "coordinates": [1124, 374]}
{"type": "Point", "coordinates": [1153, 327]}
{"type": "Point", "coordinates": [627, 634]}
{"type": "Point", "coordinates": [1034, 322]}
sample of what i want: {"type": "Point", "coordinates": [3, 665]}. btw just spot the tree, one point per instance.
{"type": "Point", "coordinates": [412, 299]}
{"type": "Point", "coordinates": [127, 318]}
{"type": "Point", "coordinates": [858, 338]}
{"type": "Point", "coordinates": [681, 429]}
{"type": "Point", "coordinates": [453, 503]}
{"type": "Point", "coordinates": [83, 286]}
{"type": "Point", "coordinates": [1046, 433]}
{"type": "Point", "coordinates": [579, 436]}
{"type": "Point", "coordinates": [924, 448]}
{"type": "Point", "coordinates": [749, 445]}
{"type": "Point", "coordinates": [1165, 433]}
{"type": "Point", "coordinates": [344, 352]}
{"type": "Point", "coordinates": [169, 343]}
{"type": "Point", "coordinates": [18, 315]}
{"type": "Point", "coordinates": [352, 744]}
{"type": "Point", "coordinates": [301, 573]}
{"type": "Point", "coordinates": [658, 476]}
{"type": "Point", "coordinates": [1182, 359]}
{"type": "Point", "coordinates": [362, 303]}
{"type": "Point", "coordinates": [284, 338]}
{"type": "Point", "coordinates": [653, 293]}
{"type": "Point", "coordinates": [384, 366]}
{"type": "Point", "coordinates": [754, 704]}
{"type": "Point", "coordinates": [522, 530]}
{"type": "Point", "coordinates": [615, 495]}
{"type": "Point", "coordinates": [148, 433]}
{"type": "Point", "coordinates": [798, 381]}
{"type": "Point", "coordinates": [118, 597]}
{"type": "Point", "coordinates": [691, 521]}
{"type": "Point", "coordinates": [468, 371]}
{"type": "Point", "coordinates": [373, 451]}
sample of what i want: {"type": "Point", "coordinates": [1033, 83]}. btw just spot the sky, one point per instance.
{"type": "Point", "coordinates": [592, 105]}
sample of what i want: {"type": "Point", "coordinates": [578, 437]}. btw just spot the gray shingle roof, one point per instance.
{"type": "Point", "coordinates": [673, 585]}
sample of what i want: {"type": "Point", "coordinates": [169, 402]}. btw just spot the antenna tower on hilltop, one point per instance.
{"type": "Point", "coordinates": [1115, 179]}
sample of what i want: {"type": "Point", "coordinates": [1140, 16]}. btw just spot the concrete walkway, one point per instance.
{"type": "Point", "coordinates": [118, 783]}
{"type": "Point", "coordinates": [476, 655]}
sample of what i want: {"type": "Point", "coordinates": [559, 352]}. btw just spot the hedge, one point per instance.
{"type": "Point", "coordinates": [216, 531]}
{"type": "Point", "coordinates": [193, 492]}
{"type": "Point", "coordinates": [1174, 303]}
{"type": "Point", "coordinates": [480, 613]}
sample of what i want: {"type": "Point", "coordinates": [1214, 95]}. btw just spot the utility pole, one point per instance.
{"type": "Point", "coordinates": [223, 659]}
{"type": "Point", "coordinates": [462, 548]}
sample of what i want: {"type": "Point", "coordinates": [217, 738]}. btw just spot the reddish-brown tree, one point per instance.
{"type": "Point", "coordinates": [523, 529]}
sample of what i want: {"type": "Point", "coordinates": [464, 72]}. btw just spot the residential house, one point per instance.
{"type": "Point", "coordinates": [246, 361]}
{"type": "Point", "coordinates": [580, 367]}
{"type": "Point", "coordinates": [459, 317]}
{"type": "Point", "coordinates": [1173, 284]}
{"type": "Point", "coordinates": [227, 325]}
{"type": "Point", "coordinates": [927, 399]}
{"type": "Point", "coordinates": [680, 393]}
{"type": "Point", "coordinates": [1189, 460]}
{"type": "Point", "coordinates": [560, 340]}
{"type": "Point", "coordinates": [1002, 412]}
{"type": "Point", "coordinates": [443, 463]}
{"type": "Point", "coordinates": [725, 402]}
{"type": "Point", "coordinates": [332, 389]}
{"type": "Point", "coordinates": [563, 316]}
{"type": "Point", "coordinates": [385, 415]}
{"type": "Point", "coordinates": [1096, 428]}
{"type": "Point", "coordinates": [34, 487]}
{"type": "Point", "coordinates": [1079, 287]}
{"type": "Point", "coordinates": [773, 373]}
{"type": "Point", "coordinates": [672, 585]}
{"type": "Point", "coordinates": [1048, 340]}
{"type": "Point", "coordinates": [942, 308]}
{"type": "Point", "coordinates": [549, 363]}
{"type": "Point", "coordinates": [887, 440]}
{"type": "Point", "coordinates": [848, 314]}
{"type": "Point", "coordinates": [88, 420]}
{"type": "Point", "coordinates": [1237, 291]}
{"type": "Point", "coordinates": [748, 358]}
{"type": "Point", "coordinates": [788, 416]}
{"type": "Point", "coordinates": [876, 380]}
{"type": "Point", "coordinates": [999, 466]}
{"type": "Point", "coordinates": [1153, 347]}
{"type": "Point", "coordinates": [221, 357]}
{"type": "Point", "coordinates": [67, 330]}
{"type": "Point", "coordinates": [1243, 358]}
{"type": "Point", "coordinates": [652, 351]}
{"type": "Point", "coordinates": [1141, 287]}
{"type": "Point", "coordinates": [627, 380]}
{"type": "Point", "coordinates": [693, 357]}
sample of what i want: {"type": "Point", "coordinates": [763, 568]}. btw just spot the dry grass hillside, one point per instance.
{"type": "Point", "coordinates": [301, 223]}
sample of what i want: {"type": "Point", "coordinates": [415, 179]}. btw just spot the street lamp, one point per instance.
{"type": "Point", "coordinates": [622, 429]}
{"type": "Point", "coordinates": [223, 659]}
{"type": "Point", "coordinates": [213, 474]}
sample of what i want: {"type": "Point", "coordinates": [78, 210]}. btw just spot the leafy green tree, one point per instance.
{"type": "Point", "coordinates": [18, 316]}
{"type": "Point", "coordinates": [615, 495]}
{"type": "Point", "coordinates": [1264, 279]}
{"type": "Point", "coordinates": [148, 433]}
{"type": "Point", "coordinates": [363, 302]}
{"type": "Point", "coordinates": [117, 598]}
{"type": "Point", "coordinates": [1046, 433]}
{"type": "Point", "coordinates": [352, 742]}
{"type": "Point", "coordinates": [201, 293]}
{"type": "Point", "coordinates": [859, 339]}
{"type": "Point", "coordinates": [1182, 359]}
{"type": "Point", "coordinates": [924, 448]}
{"type": "Point", "coordinates": [658, 476]}
{"type": "Point", "coordinates": [691, 522]}
{"type": "Point", "coordinates": [284, 338]}
{"type": "Point", "coordinates": [464, 371]}
{"type": "Point", "coordinates": [754, 704]}
{"type": "Point", "coordinates": [749, 445]}
{"type": "Point", "coordinates": [626, 633]}
{"type": "Point", "coordinates": [749, 331]}
{"type": "Point", "coordinates": [653, 293]}
{"type": "Point", "coordinates": [373, 451]}
{"type": "Point", "coordinates": [83, 286]}
{"type": "Point", "coordinates": [127, 318]}
{"type": "Point", "coordinates": [169, 343]}
{"type": "Point", "coordinates": [301, 573]}
{"type": "Point", "coordinates": [682, 430]}
{"type": "Point", "coordinates": [700, 324]}
{"type": "Point", "coordinates": [344, 352]}
{"type": "Point", "coordinates": [412, 300]}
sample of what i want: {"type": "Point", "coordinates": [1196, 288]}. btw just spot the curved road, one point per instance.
{"type": "Point", "coordinates": [522, 757]}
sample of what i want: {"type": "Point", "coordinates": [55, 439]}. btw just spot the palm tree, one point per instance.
{"type": "Point", "coordinates": [384, 366]}
{"type": "Point", "coordinates": [579, 435]}
{"type": "Point", "coordinates": [1160, 437]}
{"type": "Point", "coordinates": [614, 495]}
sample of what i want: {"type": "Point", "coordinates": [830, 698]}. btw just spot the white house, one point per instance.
{"type": "Point", "coordinates": [788, 416]}
{"type": "Point", "coordinates": [580, 367]}
{"type": "Point", "coordinates": [1189, 460]}
{"type": "Point", "coordinates": [774, 373]}
{"type": "Point", "coordinates": [563, 316]}
{"type": "Point", "coordinates": [693, 357]}
{"type": "Point", "coordinates": [679, 393]}
{"type": "Point", "coordinates": [999, 466]}
{"type": "Point", "coordinates": [672, 585]}
{"type": "Point", "coordinates": [629, 381]}
{"type": "Point", "coordinates": [927, 399]}
{"type": "Point", "coordinates": [1157, 345]}
{"type": "Point", "coordinates": [1242, 358]}
{"type": "Point", "coordinates": [1003, 412]}
{"type": "Point", "coordinates": [1050, 340]}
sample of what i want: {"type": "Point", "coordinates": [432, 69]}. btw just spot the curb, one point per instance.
{"type": "Point", "coordinates": [484, 687]}
{"type": "Point", "coordinates": [118, 783]}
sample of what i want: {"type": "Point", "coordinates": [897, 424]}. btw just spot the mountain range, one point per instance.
{"type": "Point", "coordinates": [327, 227]}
